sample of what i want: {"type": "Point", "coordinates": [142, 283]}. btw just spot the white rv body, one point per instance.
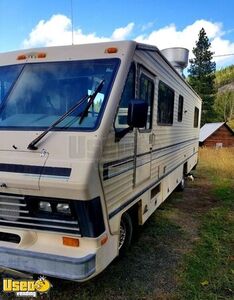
{"type": "Point", "coordinates": [78, 182]}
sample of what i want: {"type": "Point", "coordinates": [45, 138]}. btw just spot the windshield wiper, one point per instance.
{"type": "Point", "coordinates": [91, 100]}
{"type": "Point", "coordinates": [32, 145]}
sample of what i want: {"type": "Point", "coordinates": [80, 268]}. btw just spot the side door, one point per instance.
{"type": "Point", "coordinates": [144, 137]}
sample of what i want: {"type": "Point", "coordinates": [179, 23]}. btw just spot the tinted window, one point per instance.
{"type": "Point", "coordinates": [165, 104]}
{"type": "Point", "coordinates": [180, 108]}
{"type": "Point", "coordinates": [196, 117]}
{"type": "Point", "coordinates": [127, 95]}
{"type": "Point", "coordinates": [147, 94]}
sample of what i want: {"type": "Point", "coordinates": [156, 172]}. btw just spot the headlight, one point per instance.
{"type": "Point", "coordinates": [45, 206]}
{"type": "Point", "coordinates": [63, 208]}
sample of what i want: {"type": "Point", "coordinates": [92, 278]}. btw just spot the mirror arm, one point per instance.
{"type": "Point", "coordinates": [120, 134]}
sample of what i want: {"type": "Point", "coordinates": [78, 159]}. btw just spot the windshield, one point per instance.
{"type": "Point", "coordinates": [33, 96]}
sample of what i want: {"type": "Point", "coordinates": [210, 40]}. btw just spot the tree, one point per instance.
{"type": "Point", "coordinates": [224, 106]}
{"type": "Point", "coordinates": [202, 75]}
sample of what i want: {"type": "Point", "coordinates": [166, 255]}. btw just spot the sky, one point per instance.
{"type": "Point", "coordinates": [163, 23]}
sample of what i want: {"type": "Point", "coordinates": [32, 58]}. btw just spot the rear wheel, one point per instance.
{"type": "Point", "coordinates": [180, 187]}
{"type": "Point", "coordinates": [125, 234]}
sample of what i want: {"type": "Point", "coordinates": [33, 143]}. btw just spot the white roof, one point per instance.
{"type": "Point", "coordinates": [208, 129]}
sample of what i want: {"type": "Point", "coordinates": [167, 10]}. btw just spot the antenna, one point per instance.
{"type": "Point", "coordinates": [72, 22]}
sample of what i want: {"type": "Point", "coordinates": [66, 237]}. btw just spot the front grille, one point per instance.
{"type": "Point", "coordinates": [23, 212]}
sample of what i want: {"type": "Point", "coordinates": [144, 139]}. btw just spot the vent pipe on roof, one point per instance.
{"type": "Point", "coordinates": [178, 57]}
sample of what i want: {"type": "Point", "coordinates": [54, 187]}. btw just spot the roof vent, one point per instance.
{"type": "Point", "coordinates": [178, 57]}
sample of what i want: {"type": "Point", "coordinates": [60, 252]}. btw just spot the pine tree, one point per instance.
{"type": "Point", "coordinates": [202, 75]}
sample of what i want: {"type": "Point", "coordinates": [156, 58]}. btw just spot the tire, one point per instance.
{"type": "Point", "coordinates": [180, 187]}
{"type": "Point", "coordinates": [125, 235]}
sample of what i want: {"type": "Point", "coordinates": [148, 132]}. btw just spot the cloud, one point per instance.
{"type": "Point", "coordinates": [221, 46]}
{"type": "Point", "coordinates": [122, 32]}
{"type": "Point", "coordinates": [58, 31]}
{"type": "Point", "coordinates": [147, 26]}
{"type": "Point", "coordinates": [55, 31]}
{"type": "Point", "coordinates": [170, 36]}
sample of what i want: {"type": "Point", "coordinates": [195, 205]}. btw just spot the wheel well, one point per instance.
{"type": "Point", "coordinates": [134, 213]}
{"type": "Point", "coordinates": [185, 169]}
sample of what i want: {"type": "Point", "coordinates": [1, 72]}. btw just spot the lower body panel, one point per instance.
{"type": "Point", "coordinates": [48, 264]}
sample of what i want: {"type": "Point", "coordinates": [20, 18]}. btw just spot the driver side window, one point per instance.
{"type": "Point", "coordinates": [127, 95]}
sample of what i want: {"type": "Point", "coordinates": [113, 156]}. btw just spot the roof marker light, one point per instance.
{"type": "Point", "coordinates": [41, 55]}
{"type": "Point", "coordinates": [33, 55]}
{"type": "Point", "coordinates": [21, 56]}
{"type": "Point", "coordinates": [111, 50]}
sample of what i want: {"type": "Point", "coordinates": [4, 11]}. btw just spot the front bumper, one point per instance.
{"type": "Point", "coordinates": [77, 269]}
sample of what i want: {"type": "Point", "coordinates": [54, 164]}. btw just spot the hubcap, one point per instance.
{"type": "Point", "coordinates": [182, 183]}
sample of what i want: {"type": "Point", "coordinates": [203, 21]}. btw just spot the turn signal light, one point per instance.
{"type": "Point", "coordinates": [104, 240]}
{"type": "Point", "coordinates": [72, 242]}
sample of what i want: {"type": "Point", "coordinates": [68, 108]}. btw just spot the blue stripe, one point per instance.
{"type": "Point", "coordinates": [38, 170]}
{"type": "Point", "coordinates": [121, 162]}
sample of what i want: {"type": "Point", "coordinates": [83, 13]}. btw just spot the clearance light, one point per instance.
{"type": "Point", "coordinates": [111, 50]}
{"type": "Point", "coordinates": [34, 55]}
{"type": "Point", "coordinates": [22, 56]}
{"type": "Point", "coordinates": [72, 242]}
{"type": "Point", "coordinates": [41, 55]}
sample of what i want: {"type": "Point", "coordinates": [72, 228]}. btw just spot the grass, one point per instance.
{"type": "Point", "coordinates": [208, 270]}
{"type": "Point", "coordinates": [218, 163]}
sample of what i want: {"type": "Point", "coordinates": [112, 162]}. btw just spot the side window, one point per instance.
{"type": "Point", "coordinates": [127, 95]}
{"type": "Point", "coordinates": [165, 104]}
{"type": "Point", "coordinates": [147, 94]}
{"type": "Point", "coordinates": [180, 108]}
{"type": "Point", "coordinates": [196, 117]}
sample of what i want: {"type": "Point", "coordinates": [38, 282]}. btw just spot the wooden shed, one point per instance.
{"type": "Point", "coordinates": [216, 135]}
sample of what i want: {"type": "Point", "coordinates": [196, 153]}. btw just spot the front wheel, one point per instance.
{"type": "Point", "coordinates": [125, 234]}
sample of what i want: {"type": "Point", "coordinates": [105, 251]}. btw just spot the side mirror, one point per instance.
{"type": "Point", "coordinates": [136, 118]}
{"type": "Point", "coordinates": [137, 113]}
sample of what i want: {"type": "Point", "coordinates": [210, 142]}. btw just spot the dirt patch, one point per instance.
{"type": "Point", "coordinates": [187, 208]}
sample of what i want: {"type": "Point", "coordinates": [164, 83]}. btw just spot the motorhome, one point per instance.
{"type": "Point", "coordinates": [93, 138]}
